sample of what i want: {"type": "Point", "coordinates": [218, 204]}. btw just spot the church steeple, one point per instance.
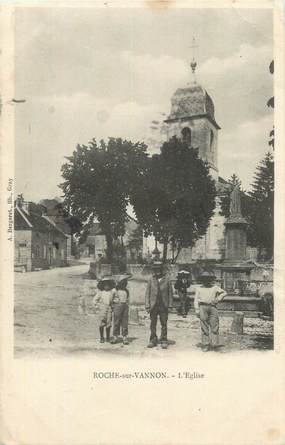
{"type": "Point", "coordinates": [192, 118]}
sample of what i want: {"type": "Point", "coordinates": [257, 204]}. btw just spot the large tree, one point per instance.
{"type": "Point", "coordinates": [261, 215]}
{"type": "Point", "coordinates": [135, 242]}
{"type": "Point", "coordinates": [175, 199]}
{"type": "Point", "coordinates": [97, 182]}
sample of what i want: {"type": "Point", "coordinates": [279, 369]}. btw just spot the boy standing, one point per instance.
{"type": "Point", "coordinates": [206, 299]}
{"type": "Point", "coordinates": [104, 299]}
{"type": "Point", "coordinates": [121, 310]}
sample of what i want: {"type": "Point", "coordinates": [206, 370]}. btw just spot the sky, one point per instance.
{"type": "Point", "coordinates": [108, 72]}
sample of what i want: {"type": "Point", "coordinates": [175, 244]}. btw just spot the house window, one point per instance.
{"type": "Point", "coordinates": [21, 251]}
{"type": "Point", "coordinates": [45, 251]}
{"type": "Point", "coordinates": [186, 135]}
{"type": "Point", "coordinates": [38, 251]}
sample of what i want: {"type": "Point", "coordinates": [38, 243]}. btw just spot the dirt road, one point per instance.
{"type": "Point", "coordinates": [47, 321]}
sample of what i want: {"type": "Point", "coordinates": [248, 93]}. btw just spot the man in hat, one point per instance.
{"type": "Point", "coordinates": [158, 299]}
{"type": "Point", "coordinates": [206, 299]}
{"type": "Point", "coordinates": [181, 285]}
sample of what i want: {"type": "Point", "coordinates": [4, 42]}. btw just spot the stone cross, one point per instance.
{"type": "Point", "coordinates": [193, 63]}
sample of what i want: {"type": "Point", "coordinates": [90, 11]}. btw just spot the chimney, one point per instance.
{"type": "Point", "coordinates": [20, 201]}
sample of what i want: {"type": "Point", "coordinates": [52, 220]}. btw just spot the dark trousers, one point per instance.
{"type": "Point", "coordinates": [158, 311]}
{"type": "Point", "coordinates": [183, 307]}
{"type": "Point", "coordinates": [121, 319]}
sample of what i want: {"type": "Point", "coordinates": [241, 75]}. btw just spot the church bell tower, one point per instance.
{"type": "Point", "coordinates": [192, 118]}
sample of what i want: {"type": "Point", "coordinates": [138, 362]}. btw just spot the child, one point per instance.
{"type": "Point", "coordinates": [121, 311]}
{"type": "Point", "coordinates": [206, 298]}
{"type": "Point", "coordinates": [104, 300]}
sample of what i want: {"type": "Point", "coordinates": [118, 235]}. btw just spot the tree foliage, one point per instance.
{"type": "Point", "coordinates": [261, 215]}
{"type": "Point", "coordinates": [270, 103]}
{"type": "Point", "coordinates": [257, 205]}
{"type": "Point", "coordinates": [136, 239]}
{"type": "Point", "coordinates": [135, 242]}
{"type": "Point", "coordinates": [97, 181]}
{"type": "Point", "coordinates": [175, 199]}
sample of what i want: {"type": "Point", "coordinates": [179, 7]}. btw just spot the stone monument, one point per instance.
{"type": "Point", "coordinates": [236, 225]}
{"type": "Point", "coordinates": [235, 269]}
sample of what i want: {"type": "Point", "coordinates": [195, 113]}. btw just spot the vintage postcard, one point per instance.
{"type": "Point", "coordinates": [142, 235]}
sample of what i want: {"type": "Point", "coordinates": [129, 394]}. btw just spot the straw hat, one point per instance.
{"type": "Point", "coordinates": [207, 276]}
{"type": "Point", "coordinates": [120, 278]}
{"type": "Point", "coordinates": [183, 272]}
{"type": "Point", "coordinates": [107, 279]}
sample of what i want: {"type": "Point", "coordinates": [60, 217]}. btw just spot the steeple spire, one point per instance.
{"type": "Point", "coordinates": [193, 63]}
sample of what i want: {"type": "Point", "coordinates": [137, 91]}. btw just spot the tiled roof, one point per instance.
{"type": "Point", "coordinates": [64, 227]}
{"type": "Point", "coordinates": [33, 221]}
{"type": "Point", "coordinates": [55, 225]}
{"type": "Point", "coordinates": [21, 222]}
{"type": "Point", "coordinates": [50, 203]}
{"type": "Point", "coordinates": [191, 101]}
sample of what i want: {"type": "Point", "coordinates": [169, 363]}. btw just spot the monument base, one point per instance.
{"type": "Point", "coordinates": [235, 275]}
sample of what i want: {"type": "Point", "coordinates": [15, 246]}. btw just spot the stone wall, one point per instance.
{"type": "Point", "coordinates": [68, 247]}
{"type": "Point", "coordinates": [23, 245]}
{"type": "Point", "coordinates": [251, 253]}
{"type": "Point", "coordinates": [262, 273]}
{"type": "Point", "coordinates": [98, 270]}
{"type": "Point", "coordinates": [139, 272]}
{"type": "Point", "coordinates": [143, 272]}
{"type": "Point", "coordinates": [211, 245]}
{"type": "Point", "coordinates": [48, 250]}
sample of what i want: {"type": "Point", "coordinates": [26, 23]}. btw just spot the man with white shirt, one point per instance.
{"type": "Point", "coordinates": [206, 299]}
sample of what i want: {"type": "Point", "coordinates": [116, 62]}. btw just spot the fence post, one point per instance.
{"type": "Point", "coordinates": [237, 324]}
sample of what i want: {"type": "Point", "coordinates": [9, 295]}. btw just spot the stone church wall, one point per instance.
{"type": "Point", "coordinates": [204, 136]}
{"type": "Point", "coordinates": [210, 246]}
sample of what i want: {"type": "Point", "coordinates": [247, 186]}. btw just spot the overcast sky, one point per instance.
{"type": "Point", "coordinates": [100, 72]}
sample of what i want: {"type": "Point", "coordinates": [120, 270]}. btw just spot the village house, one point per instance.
{"type": "Point", "coordinates": [53, 209]}
{"type": "Point", "coordinates": [95, 244]}
{"type": "Point", "coordinates": [39, 243]}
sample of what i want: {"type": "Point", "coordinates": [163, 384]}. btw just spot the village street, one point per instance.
{"type": "Point", "coordinates": [47, 321]}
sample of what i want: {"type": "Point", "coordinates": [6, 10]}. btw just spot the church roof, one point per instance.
{"type": "Point", "coordinates": [190, 102]}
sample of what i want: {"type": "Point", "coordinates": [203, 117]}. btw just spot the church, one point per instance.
{"type": "Point", "coordinates": [192, 118]}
